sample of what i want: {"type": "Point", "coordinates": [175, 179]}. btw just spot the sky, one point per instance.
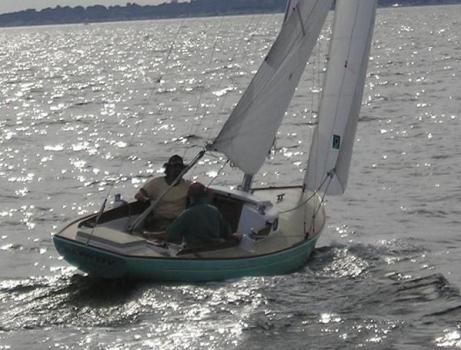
{"type": "Point", "coordinates": [16, 5]}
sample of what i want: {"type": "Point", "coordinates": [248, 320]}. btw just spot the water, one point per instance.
{"type": "Point", "coordinates": [87, 106]}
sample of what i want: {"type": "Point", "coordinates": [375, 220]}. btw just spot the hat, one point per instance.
{"type": "Point", "coordinates": [175, 161]}
{"type": "Point", "coordinates": [196, 190]}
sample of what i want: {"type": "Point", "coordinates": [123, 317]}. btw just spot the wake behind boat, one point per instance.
{"type": "Point", "coordinates": [278, 227]}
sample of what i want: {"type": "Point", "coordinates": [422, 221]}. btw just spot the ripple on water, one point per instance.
{"type": "Point", "coordinates": [85, 107]}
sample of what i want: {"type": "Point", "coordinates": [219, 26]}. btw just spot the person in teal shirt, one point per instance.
{"type": "Point", "coordinates": [201, 223]}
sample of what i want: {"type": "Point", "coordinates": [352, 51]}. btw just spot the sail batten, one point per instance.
{"type": "Point", "coordinates": [247, 136]}
{"type": "Point", "coordinates": [331, 147]}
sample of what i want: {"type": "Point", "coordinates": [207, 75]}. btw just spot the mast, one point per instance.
{"type": "Point", "coordinates": [246, 183]}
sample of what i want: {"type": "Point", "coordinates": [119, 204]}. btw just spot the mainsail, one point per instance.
{"type": "Point", "coordinates": [248, 135]}
{"type": "Point", "coordinates": [331, 148]}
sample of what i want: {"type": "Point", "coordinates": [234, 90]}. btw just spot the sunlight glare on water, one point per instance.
{"type": "Point", "coordinates": [93, 110]}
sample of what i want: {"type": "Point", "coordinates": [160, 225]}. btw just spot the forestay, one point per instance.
{"type": "Point", "coordinates": [248, 134]}
{"type": "Point", "coordinates": [333, 139]}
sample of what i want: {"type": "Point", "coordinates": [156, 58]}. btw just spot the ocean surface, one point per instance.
{"type": "Point", "coordinates": [87, 111]}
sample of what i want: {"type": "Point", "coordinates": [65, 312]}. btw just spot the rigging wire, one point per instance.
{"type": "Point", "coordinates": [322, 200]}
{"type": "Point", "coordinates": [315, 98]}
{"type": "Point", "coordinates": [329, 178]}
{"type": "Point", "coordinates": [122, 160]}
{"type": "Point", "coordinates": [246, 30]}
{"type": "Point", "coordinates": [224, 99]}
{"type": "Point", "coordinates": [220, 84]}
{"type": "Point", "coordinates": [269, 82]}
{"type": "Point", "coordinates": [218, 173]}
{"type": "Point", "coordinates": [304, 202]}
{"type": "Point", "coordinates": [170, 49]}
{"type": "Point", "coordinates": [199, 102]}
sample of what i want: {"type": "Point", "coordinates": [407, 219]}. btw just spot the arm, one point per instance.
{"type": "Point", "coordinates": [177, 230]}
{"type": "Point", "coordinates": [149, 191]}
{"type": "Point", "coordinates": [141, 195]}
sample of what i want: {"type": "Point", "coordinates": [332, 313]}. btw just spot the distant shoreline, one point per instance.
{"type": "Point", "coordinates": [195, 8]}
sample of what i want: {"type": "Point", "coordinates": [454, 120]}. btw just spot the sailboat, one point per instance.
{"type": "Point", "coordinates": [279, 226]}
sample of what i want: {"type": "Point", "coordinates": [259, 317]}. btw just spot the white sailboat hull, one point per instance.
{"type": "Point", "coordinates": [110, 252]}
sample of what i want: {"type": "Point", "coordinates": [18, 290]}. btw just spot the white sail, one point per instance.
{"type": "Point", "coordinates": [291, 6]}
{"type": "Point", "coordinates": [247, 136]}
{"type": "Point", "coordinates": [333, 139]}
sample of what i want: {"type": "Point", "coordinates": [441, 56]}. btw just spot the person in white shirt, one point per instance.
{"type": "Point", "coordinates": [173, 203]}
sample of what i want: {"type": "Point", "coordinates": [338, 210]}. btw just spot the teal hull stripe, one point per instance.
{"type": "Point", "coordinates": [104, 264]}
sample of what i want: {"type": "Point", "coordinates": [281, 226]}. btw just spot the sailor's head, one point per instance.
{"type": "Point", "coordinates": [174, 166]}
{"type": "Point", "coordinates": [196, 191]}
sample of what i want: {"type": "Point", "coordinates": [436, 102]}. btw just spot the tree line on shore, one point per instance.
{"type": "Point", "coordinates": [133, 11]}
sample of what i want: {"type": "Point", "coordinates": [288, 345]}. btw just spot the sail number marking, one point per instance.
{"type": "Point", "coordinates": [336, 141]}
